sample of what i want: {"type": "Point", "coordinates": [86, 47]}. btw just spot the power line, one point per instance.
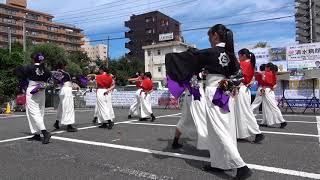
{"type": "Point", "coordinates": [80, 10]}
{"type": "Point", "coordinates": [75, 16]}
{"type": "Point", "coordinates": [203, 28]}
{"type": "Point", "coordinates": [241, 14]}
{"type": "Point", "coordinates": [168, 5]}
{"type": "Point", "coordinates": [213, 18]}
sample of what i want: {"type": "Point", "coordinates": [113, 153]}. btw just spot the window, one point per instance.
{"type": "Point", "coordinates": [149, 19]}
{"type": "Point", "coordinates": [159, 52]}
{"type": "Point", "coordinates": [149, 31]}
{"type": "Point", "coordinates": [32, 33]}
{"type": "Point", "coordinates": [32, 16]}
{"type": "Point", "coordinates": [12, 21]}
{"type": "Point", "coordinates": [159, 69]}
{"type": "Point", "coordinates": [53, 29]}
{"type": "Point", "coordinates": [9, 11]}
{"type": "Point", "coordinates": [149, 53]}
{"type": "Point", "coordinates": [50, 36]}
{"type": "Point", "coordinates": [164, 22]}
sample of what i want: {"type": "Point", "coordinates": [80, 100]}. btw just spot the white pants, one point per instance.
{"type": "Point", "coordinates": [257, 101]}
{"type": "Point", "coordinates": [65, 113]}
{"type": "Point", "coordinates": [222, 145]}
{"type": "Point", "coordinates": [104, 106]}
{"type": "Point", "coordinates": [186, 124]}
{"type": "Point", "coordinates": [134, 108]}
{"type": "Point", "coordinates": [245, 120]}
{"type": "Point", "coordinates": [271, 113]}
{"type": "Point", "coordinates": [35, 105]}
{"type": "Point", "coordinates": [95, 111]}
{"type": "Point", "coordinates": [145, 105]}
{"type": "Point", "coordinates": [198, 111]}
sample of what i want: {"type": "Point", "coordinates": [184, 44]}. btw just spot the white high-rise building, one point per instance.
{"type": "Point", "coordinates": [155, 57]}
{"type": "Point", "coordinates": [95, 52]}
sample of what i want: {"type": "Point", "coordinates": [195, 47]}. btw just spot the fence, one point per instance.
{"type": "Point", "coordinates": [120, 99]}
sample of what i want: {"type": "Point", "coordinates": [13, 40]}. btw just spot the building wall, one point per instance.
{"type": "Point", "coordinates": [95, 52]}
{"type": "Point", "coordinates": [39, 28]}
{"type": "Point", "coordinates": [155, 60]}
{"type": "Point", "coordinates": [145, 30]}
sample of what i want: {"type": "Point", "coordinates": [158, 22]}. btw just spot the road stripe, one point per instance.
{"type": "Point", "coordinates": [83, 128]}
{"type": "Point", "coordinates": [318, 125]}
{"type": "Point", "coordinates": [15, 116]}
{"type": "Point", "coordinates": [267, 132]}
{"type": "Point", "coordinates": [15, 139]}
{"type": "Point", "coordinates": [292, 115]}
{"type": "Point", "coordinates": [303, 122]}
{"type": "Point", "coordinates": [190, 157]}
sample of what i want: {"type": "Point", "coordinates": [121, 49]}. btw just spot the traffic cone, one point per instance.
{"type": "Point", "coordinates": [8, 109]}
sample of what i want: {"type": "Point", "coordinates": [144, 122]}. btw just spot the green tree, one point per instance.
{"type": "Point", "coordinates": [74, 69]}
{"type": "Point", "coordinates": [124, 68]}
{"type": "Point", "coordinates": [81, 59]}
{"type": "Point", "coordinates": [52, 52]}
{"type": "Point", "coordinates": [9, 82]}
{"type": "Point", "coordinates": [261, 45]}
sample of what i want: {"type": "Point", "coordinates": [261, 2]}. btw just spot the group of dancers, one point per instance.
{"type": "Point", "coordinates": [38, 76]}
{"type": "Point", "coordinates": [217, 104]}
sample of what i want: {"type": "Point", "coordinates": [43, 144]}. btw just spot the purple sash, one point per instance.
{"type": "Point", "coordinates": [221, 99]}
{"type": "Point", "coordinates": [37, 88]}
{"type": "Point", "coordinates": [177, 89]}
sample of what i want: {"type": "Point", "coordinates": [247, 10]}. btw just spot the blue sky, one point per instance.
{"type": "Point", "coordinates": [100, 18]}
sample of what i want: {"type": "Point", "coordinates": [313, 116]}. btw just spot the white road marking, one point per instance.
{"type": "Point", "coordinates": [291, 134]}
{"type": "Point", "coordinates": [293, 115]}
{"type": "Point", "coordinates": [83, 128]}
{"type": "Point", "coordinates": [15, 139]}
{"type": "Point", "coordinates": [318, 125]}
{"type": "Point", "coordinates": [303, 122]}
{"type": "Point", "coordinates": [190, 157]}
{"type": "Point", "coordinates": [267, 132]}
{"type": "Point", "coordinates": [7, 116]}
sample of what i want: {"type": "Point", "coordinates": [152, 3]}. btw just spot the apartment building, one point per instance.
{"type": "Point", "coordinates": [21, 23]}
{"type": "Point", "coordinates": [150, 28]}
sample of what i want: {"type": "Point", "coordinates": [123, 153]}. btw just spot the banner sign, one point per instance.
{"type": "Point", "coordinates": [303, 56]}
{"type": "Point", "coordinates": [278, 57]}
{"type": "Point", "coordinates": [262, 56]}
{"type": "Point", "coordinates": [165, 37]}
{"type": "Point", "coordinates": [126, 98]}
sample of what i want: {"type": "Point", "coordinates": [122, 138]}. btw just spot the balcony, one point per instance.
{"type": "Point", "coordinates": [128, 34]}
{"type": "Point", "coordinates": [127, 24]}
{"type": "Point", "coordinates": [129, 45]}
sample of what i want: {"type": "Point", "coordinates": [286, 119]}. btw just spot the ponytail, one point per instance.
{"type": "Point", "coordinates": [230, 44]}
{"type": "Point", "coordinates": [249, 55]}
{"type": "Point", "coordinates": [252, 60]}
{"type": "Point", "coordinates": [226, 36]}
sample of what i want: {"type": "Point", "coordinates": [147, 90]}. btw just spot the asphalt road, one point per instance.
{"type": "Point", "coordinates": [141, 150]}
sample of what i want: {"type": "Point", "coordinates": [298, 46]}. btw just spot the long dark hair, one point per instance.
{"type": "Point", "coordinates": [149, 75]}
{"type": "Point", "coordinates": [225, 36]}
{"type": "Point", "coordinates": [104, 68]}
{"type": "Point", "coordinates": [262, 67]}
{"type": "Point", "coordinates": [249, 55]}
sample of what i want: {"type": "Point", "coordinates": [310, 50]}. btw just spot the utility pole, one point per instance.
{"type": "Point", "coordinates": [24, 33]}
{"type": "Point", "coordinates": [108, 49]}
{"type": "Point", "coordinates": [9, 39]}
{"type": "Point", "coordinates": [311, 20]}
